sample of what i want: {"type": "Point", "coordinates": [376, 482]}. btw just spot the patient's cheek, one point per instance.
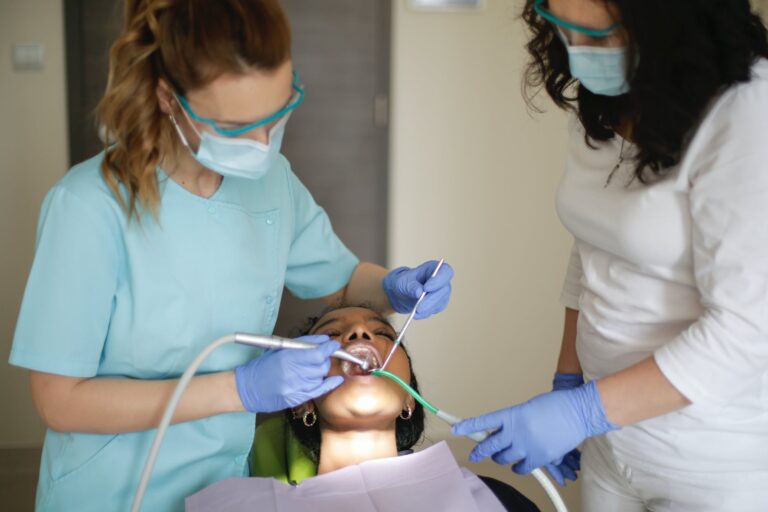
{"type": "Point", "coordinates": [399, 366]}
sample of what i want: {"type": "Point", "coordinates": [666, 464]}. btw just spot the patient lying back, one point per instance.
{"type": "Point", "coordinates": [360, 437]}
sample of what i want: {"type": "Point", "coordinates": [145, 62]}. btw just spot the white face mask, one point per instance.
{"type": "Point", "coordinates": [599, 69]}
{"type": "Point", "coordinates": [235, 157]}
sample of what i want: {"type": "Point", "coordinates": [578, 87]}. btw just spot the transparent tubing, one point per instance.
{"type": "Point", "coordinates": [538, 474]}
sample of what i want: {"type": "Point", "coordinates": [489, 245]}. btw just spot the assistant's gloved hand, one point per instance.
{"type": "Point", "coordinates": [404, 286]}
{"type": "Point", "coordinates": [279, 379]}
{"type": "Point", "coordinates": [566, 467]}
{"type": "Point", "coordinates": [541, 430]}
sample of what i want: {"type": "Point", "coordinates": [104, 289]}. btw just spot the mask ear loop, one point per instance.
{"type": "Point", "coordinates": [178, 130]}
{"type": "Point", "coordinates": [561, 35]}
{"type": "Point", "coordinates": [189, 120]}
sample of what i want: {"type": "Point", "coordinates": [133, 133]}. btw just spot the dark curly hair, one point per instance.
{"type": "Point", "coordinates": [687, 52]}
{"type": "Point", "coordinates": [407, 432]}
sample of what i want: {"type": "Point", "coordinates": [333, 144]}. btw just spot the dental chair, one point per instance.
{"type": "Point", "coordinates": [276, 453]}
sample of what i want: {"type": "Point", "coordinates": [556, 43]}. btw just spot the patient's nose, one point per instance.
{"type": "Point", "coordinates": [357, 334]}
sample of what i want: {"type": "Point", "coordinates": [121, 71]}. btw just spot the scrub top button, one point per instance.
{"type": "Point", "coordinates": [211, 209]}
{"type": "Point", "coordinates": [270, 221]}
{"type": "Point", "coordinates": [270, 300]}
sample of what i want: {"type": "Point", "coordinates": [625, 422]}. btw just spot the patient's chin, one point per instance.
{"type": "Point", "coordinates": [361, 404]}
{"type": "Point", "coordinates": [366, 405]}
{"type": "Point", "coordinates": [360, 419]}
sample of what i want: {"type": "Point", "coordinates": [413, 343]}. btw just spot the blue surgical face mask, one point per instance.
{"type": "Point", "coordinates": [237, 157]}
{"type": "Point", "coordinates": [601, 70]}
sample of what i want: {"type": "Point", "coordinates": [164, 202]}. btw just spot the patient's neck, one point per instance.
{"type": "Point", "coordinates": [339, 449]}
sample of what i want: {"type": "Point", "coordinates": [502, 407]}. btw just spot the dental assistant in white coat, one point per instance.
{"type": "Point", "coordinates": [185, 229]}
{"type": "Point", "coordinates": [665, 191]}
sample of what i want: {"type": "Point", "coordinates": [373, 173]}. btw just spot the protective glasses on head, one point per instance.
{"type": "Point", "coordinates": [566, 26]}
{"type": "Point", "coordinates": [296, 99]}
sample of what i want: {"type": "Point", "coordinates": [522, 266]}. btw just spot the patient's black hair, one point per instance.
{"type": "Point", "coordinates": [407, 432]}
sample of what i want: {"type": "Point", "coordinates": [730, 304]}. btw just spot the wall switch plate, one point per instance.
{"type": "Point", "coordinates": [446, 5]}
{"type": "Point", "coordinates": [28, 57]}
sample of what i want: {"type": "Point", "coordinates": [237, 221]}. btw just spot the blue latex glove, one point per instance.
{"type": "Point", "coordinates": [279, 379]}
{"type": "Point", "coordinates": [541, 430]}
{"type": "Point", "coordinates": [404, 286]}
{"type": "Point", "coordinates": [566, 467]}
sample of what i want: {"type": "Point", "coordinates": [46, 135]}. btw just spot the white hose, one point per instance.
{"type": "Point", "coordinates": [538, 474]}
{"type": "Point", "coordinates": [146, 474]}
{"type": "Point", "coordinates": [550, 489]}
{"type": "Point", "coordinates": [186, 377]}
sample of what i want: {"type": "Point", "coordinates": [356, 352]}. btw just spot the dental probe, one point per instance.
{"type": "Point", "coordinates": [478, 437]}
{"type": "Point", "coordinates": [410, 318]}
{"type": "Point", "coordinates": [277, 342]}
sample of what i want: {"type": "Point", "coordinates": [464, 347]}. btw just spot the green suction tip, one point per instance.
{"type": "Point", "coordinates": [384, 373]}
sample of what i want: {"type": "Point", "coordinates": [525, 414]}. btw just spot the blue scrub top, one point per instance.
{"type": "Point", "coordinates": [107, 297]}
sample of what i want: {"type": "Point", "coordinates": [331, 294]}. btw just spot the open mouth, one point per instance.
{"type": "Point", "coordinates": [365, 351]}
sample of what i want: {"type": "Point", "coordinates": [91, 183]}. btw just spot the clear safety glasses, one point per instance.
{"type": "Point", "coordinates": [565, 26]}
{"type": "Point", "coordinates": [296, 99]}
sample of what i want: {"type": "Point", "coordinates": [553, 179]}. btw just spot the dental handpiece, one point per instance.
{"type": "Point", "coordinates": [276, 342]}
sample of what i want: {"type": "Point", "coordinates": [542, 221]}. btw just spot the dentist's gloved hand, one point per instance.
{"type": "Point", "coordinates": [565, 468]}
{"type": "Point", "coordinates": [541, 430]}
{"type": "Point", "coordinates": [404, 286]}
{"type": "Point", "coordinates": [279, 379]}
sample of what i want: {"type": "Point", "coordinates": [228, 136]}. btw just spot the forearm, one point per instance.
{"type": "Point", "coordinates": [568, 362]}
{"type": "Point", "coordinates": [364, 288]}
{"type": "Point", "coordinates": [110, 405]}
{"type": "Point", "coordinates": [638, 393]}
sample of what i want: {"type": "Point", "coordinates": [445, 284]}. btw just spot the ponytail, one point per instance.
{"type": "Point", "coordinates": [188, 43]}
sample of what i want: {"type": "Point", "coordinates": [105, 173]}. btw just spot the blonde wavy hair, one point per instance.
{"type": "Point", "coordinates": [188, 43]}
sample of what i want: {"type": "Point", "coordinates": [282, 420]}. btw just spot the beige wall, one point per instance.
{"type": "Point", "coordinates": [762, 7]}
{"type": "Point", "coordinates": [473, 178]}
{"type": "Point", "coordinates": [33, 155]}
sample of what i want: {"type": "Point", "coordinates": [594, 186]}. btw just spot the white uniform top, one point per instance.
{"type": "Point", "coordinates": [679, 270]}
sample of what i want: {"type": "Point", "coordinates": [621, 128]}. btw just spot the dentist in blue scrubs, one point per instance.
{"type": "Point", "coordinates": [185, 228]}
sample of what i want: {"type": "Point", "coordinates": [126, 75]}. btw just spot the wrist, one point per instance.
{"type": "Point", "coordinates": [388, 285]}
{"type": "Point", "coordinates": [229, 388]}
{"type": "Point", "coordinates": [242, 389]}
{"type": "Point", "coordinates": [592, 411]}
{"type": "Point", "coordinates": [567, 380]}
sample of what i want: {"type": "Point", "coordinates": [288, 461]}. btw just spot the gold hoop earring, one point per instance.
{"type": "Point", "coordinates": [306, 419]}
{"type": "Point", "coordinates": [408, 415]}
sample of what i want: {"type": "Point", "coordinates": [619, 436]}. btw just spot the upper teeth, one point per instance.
{"type": "Point", "coordinates": [364, 352]}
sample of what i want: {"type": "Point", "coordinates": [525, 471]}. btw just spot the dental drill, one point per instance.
{"type": "Point", "coordinates": [254, 340]}
{"type": "Point", "coordinates": [276, 342]}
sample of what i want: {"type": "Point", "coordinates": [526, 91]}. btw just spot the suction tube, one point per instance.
{"type": "Point", "coordinates": [538, 474]}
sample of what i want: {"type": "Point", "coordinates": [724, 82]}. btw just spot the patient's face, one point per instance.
{"type": "Point", "coordinates": [363, 400]}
